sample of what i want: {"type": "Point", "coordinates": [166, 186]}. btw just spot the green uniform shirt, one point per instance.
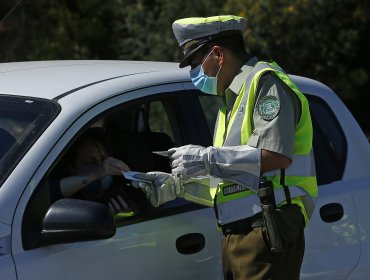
{"type": "Point", "coordinates": [277, 134]}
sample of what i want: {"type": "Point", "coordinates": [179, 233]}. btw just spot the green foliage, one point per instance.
{"type": "Point", "coordinates": [90, 29]}
{"type": "Point", "coordinates": [145, 26]}
{"type": "Point", "coordinates": [325, 40]}
{"type": "Point", "coordinates": [63, 29]}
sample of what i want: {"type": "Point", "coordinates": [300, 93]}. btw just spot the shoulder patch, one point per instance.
{"type": "Point", "coordinates": [268, 107]}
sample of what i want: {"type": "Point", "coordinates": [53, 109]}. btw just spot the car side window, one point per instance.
{"type": "Point", "coordinates": [136, 130]}
{"type": "Point", "coordinates": [158, 119]}
{"type": "Point", "coordinates": [329, 142]}
{"type": "Point", "coordinates": [153, 127]}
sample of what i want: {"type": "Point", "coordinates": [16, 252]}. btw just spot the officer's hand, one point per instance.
{"type": "Point", "coordinates": [159, 187]}
{"type": "Point", "coordinates": [188, 161]}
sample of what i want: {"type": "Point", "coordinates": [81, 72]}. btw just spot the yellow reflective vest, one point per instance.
{"type": "Point", "coordinates": [300, 176]}
{"type": "Point", "coordinates": [234, 202]}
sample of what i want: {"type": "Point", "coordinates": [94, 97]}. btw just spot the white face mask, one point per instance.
{"type": "Point", "coordinates": [203, 82]}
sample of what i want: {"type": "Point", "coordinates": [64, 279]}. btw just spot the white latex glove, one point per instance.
{"type": "Point", "coordinates": [163, 187]}
{"type": "Point", "coordinates": [188, 161]}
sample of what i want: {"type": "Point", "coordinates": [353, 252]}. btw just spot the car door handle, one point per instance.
{"type": "Point", "coordinates": [190, 243]}
{"type": "Point", "coordinates": [331, 212]}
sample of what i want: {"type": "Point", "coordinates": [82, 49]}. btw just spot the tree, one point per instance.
{"type": "Point", "coordinates": [145, 26]}
{"type": "Point", "coordinates": [90, 29]}
{"type": "Point", "coordinates": [63, 29]}
{"type": "Point", "coordinates": [325, 40]}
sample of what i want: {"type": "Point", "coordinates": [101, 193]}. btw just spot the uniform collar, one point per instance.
{"type": "Point", "coordinates": [240, 78]}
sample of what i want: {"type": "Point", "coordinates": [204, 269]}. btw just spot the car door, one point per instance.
{"type": "Point", "coordinates": [178, 240]}
{"type": "Point", "coordinates": [332, 235]}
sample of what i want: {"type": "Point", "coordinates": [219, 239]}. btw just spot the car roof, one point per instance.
{"type": "Point", "coordinates": [49, 79]}
{"type": "Point", "coordinates": [52, 79]}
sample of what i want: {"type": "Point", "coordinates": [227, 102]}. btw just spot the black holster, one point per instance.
{"type": "Point", "coordinates": [268, 205]}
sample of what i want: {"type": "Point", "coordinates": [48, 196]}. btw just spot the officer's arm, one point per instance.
{"type": "Point", "coordinates": [275, 135]}
{"type": "Point", "coordinates": [272, 161]}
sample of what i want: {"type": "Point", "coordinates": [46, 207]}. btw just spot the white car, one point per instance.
{"type": "Point", "coordinates": [145, 107]}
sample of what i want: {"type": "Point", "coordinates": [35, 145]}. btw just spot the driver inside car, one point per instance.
{"type": "Point", "coordinates": [92, 174]}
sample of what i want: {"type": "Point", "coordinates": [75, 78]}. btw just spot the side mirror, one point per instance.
{"type": "Point", "coordinates": [71, 220]}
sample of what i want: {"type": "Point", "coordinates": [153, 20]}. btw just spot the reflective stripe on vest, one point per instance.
{"type": "Point", "coordinates": [250, 205]}
{"type": "Point", "coordinates": [233, 202]}
{"type": "Point", "coordinates": [200, 190]}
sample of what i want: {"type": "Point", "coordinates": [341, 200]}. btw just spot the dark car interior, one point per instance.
{"type": "Point", "coordinates": [133, 141]}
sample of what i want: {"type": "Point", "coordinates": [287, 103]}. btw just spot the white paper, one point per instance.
{"type": "Point", "coordinates": [130, 175]}
{"type": "Point", "coordinates": [162, 153]}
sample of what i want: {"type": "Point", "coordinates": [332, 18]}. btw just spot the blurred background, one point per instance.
{"type": "Point", "coordinates": [325, 40]}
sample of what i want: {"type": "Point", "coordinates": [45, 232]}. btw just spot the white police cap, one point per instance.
{"type": "Point", "coordinates": [193, 33]}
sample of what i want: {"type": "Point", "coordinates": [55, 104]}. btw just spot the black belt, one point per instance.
{"type": "Point", "coordinates": [243, 226]}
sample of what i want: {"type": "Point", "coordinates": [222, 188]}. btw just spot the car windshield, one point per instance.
{"type": "Point", "coordinates": [22, 120]}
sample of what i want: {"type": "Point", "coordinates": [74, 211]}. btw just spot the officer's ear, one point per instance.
{"type": "Point", "coordinates": [218, 53]}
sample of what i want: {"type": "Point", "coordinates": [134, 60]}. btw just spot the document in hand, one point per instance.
{"type": "Point", "coordinates": [130, 175]}
{"type": "Point", "coordinates": [162, 153]}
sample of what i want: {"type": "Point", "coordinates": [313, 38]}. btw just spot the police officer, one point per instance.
{"type": "Point", "coordinates": [263, 134]}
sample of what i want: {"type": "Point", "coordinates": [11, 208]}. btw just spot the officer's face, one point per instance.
{"type": "Point", "coordinates": [209, 60]}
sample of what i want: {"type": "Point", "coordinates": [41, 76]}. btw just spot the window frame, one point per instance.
{"type": "Point", "coordinates": [320, 129]}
